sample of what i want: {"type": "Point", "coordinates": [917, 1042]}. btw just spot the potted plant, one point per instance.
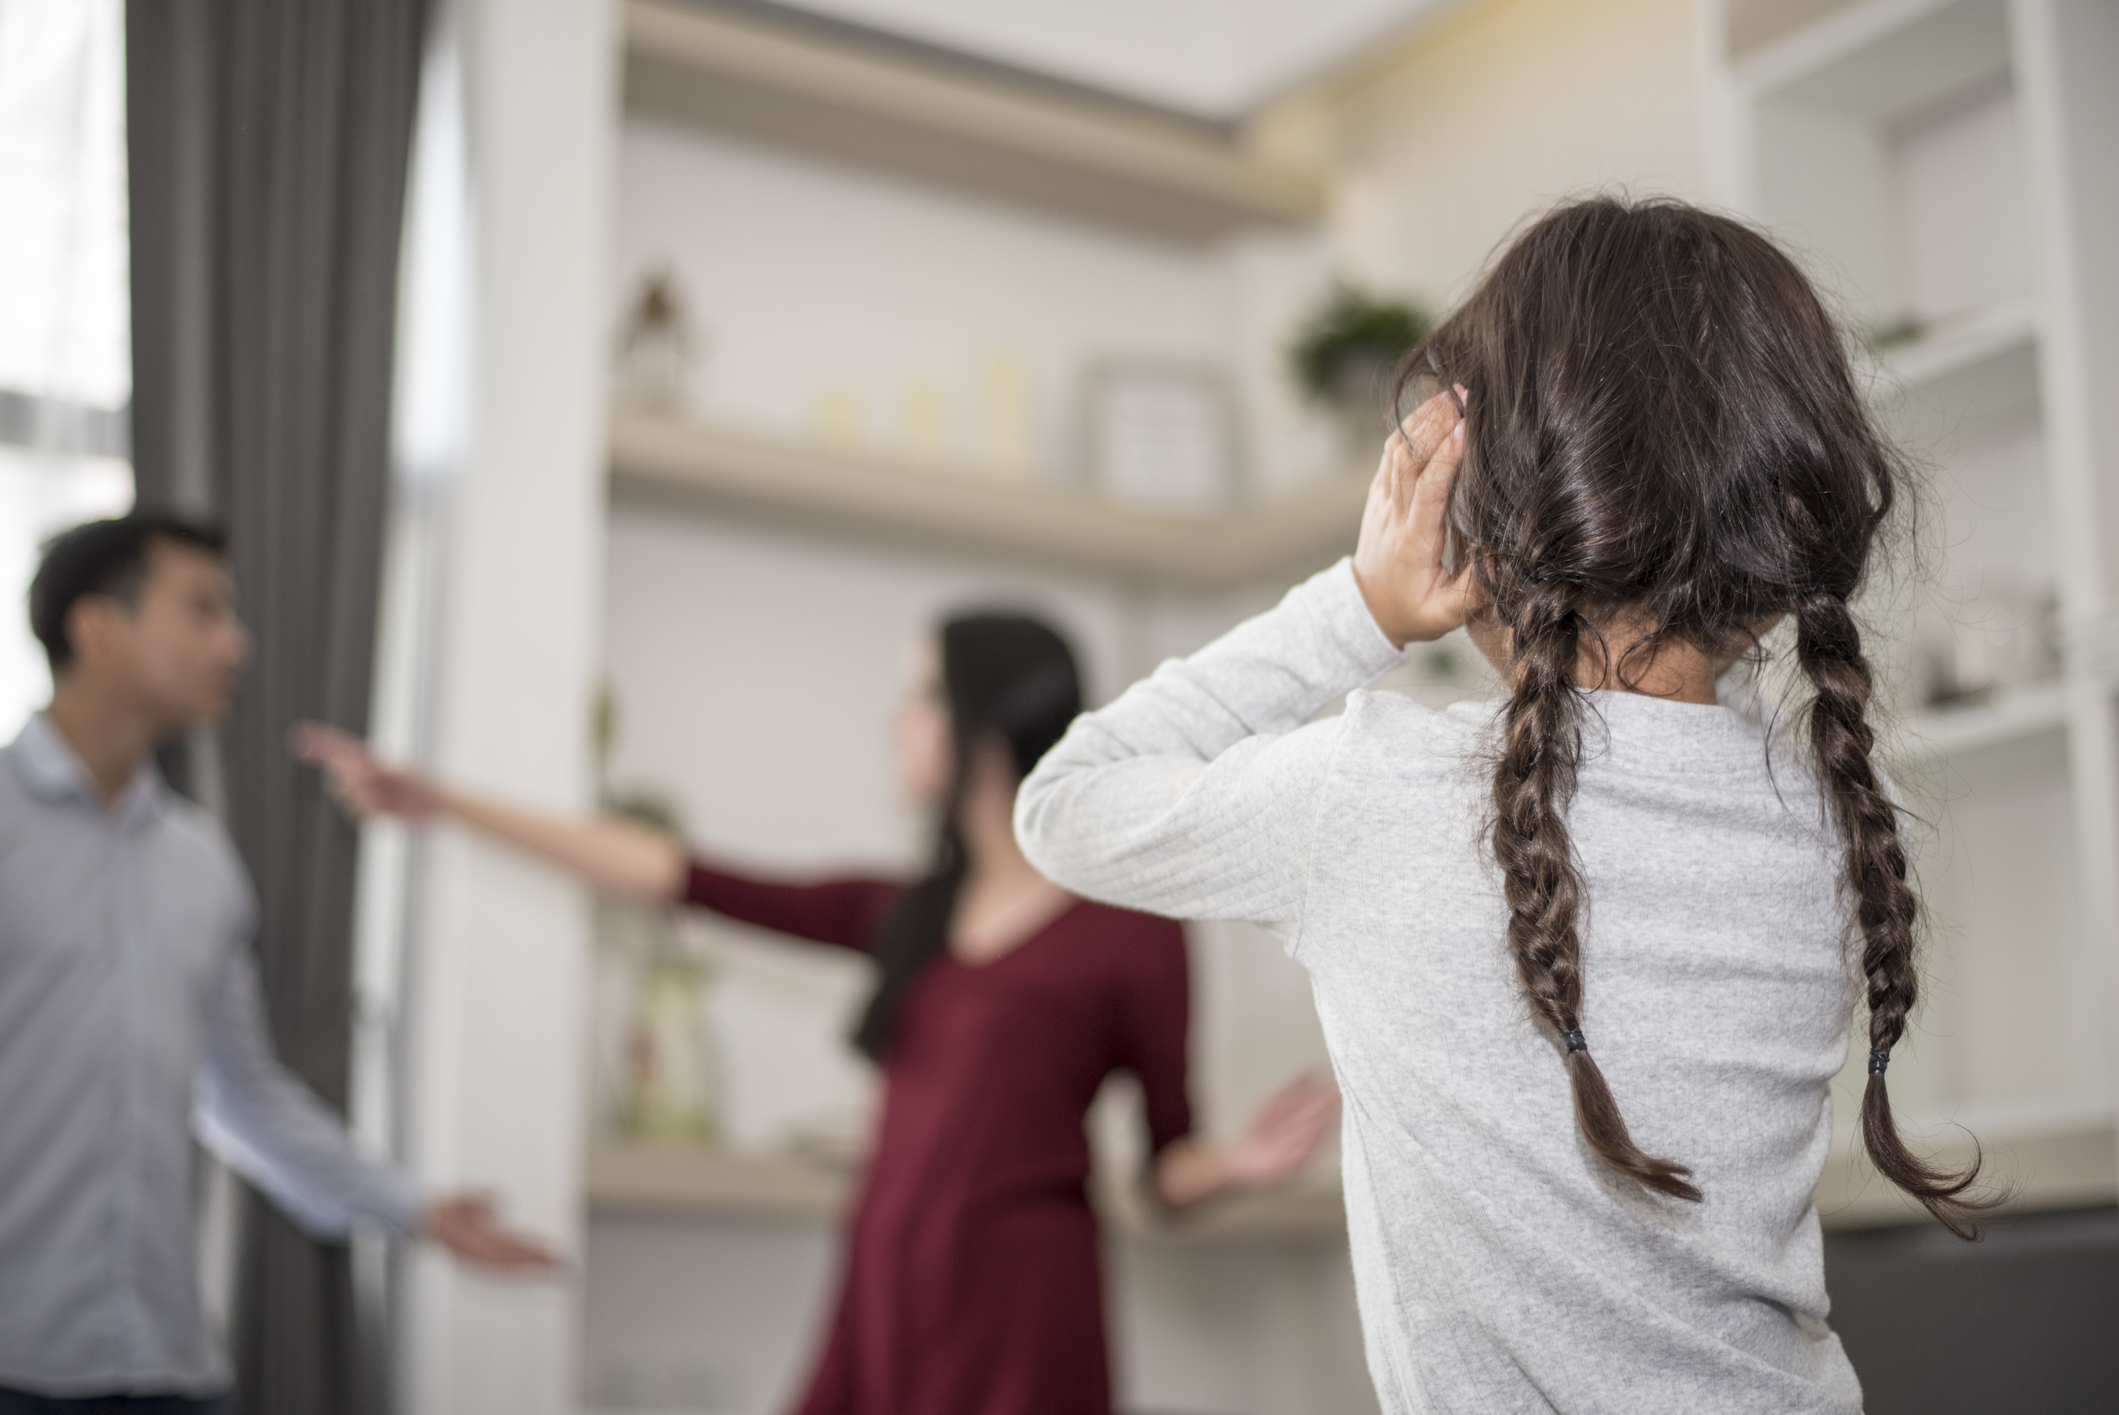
{"type": "Point", "coordinates": [1343, 355]}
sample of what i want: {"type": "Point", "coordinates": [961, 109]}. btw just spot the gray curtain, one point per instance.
{"type": "Point", "coordinates": [269, 141]}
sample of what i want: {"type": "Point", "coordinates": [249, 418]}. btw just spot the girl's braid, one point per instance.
{"type": "Point", "coordinates": [1828, 646]}
{"type": "Point", "coordinates": [1534, 780]}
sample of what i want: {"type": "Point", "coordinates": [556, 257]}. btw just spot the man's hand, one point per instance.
{"type": "Point", "coordinates": [467, 1225]}
{"type": "Point", "coordinates": [1284, 1132]}
{"type": "Point", "coordinates": [1398, 562]}
{"type": "Point", "coordinates": [364, 785]}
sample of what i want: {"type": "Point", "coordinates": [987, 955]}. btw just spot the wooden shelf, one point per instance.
{"type": "Point", "coordinates": [1311, 1209]}
{"type": "Point", "coordinates": [722, 471]}
{"type": "Point", "coordinates": [2053, 1168]}
{"type": "Point", "coordinates": [2013, 716]}
{"type": "Point", "coordinates": [837, 90]}
{"type": "Point", "coordinates": [709, 1185]}
{"type": "Point", "coordinates": [698, 1182]}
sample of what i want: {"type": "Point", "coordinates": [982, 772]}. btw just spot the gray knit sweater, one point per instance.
{"type": "Point", "coordinates": [1499, 1266]}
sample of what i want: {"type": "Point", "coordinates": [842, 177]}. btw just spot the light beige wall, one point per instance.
{"type": "Point", "coordinates": [1441, 145]}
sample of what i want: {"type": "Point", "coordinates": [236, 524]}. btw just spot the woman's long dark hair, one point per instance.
{"type": "Point", "coordinates": [1662, 432]}
{"type": "Point", "coordinates": [1008, 677]}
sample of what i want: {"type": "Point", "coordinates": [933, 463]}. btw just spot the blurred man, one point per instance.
{"type": "Point", "coordinates": [129, 1003]}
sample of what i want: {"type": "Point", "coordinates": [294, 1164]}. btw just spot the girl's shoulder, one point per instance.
{"type": "Point", "coordinates": [1412, 732]}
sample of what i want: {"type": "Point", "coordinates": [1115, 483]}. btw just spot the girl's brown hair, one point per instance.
{"type": "Point", "coordinates": [1663, 433]}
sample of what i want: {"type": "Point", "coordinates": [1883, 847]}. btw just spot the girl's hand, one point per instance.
{"type": "Point", "coordinates": [1398, 562]}
{"type": "Point", "coordinates": [363, 784]}
{"type": "Point", "coordinates": [1284, 1132]}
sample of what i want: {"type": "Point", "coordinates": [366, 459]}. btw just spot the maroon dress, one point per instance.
{"type": "Point", "coordinates": [972, 1282]}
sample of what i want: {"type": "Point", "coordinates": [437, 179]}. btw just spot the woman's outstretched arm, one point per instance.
{"type": "Point", "coordinates": [612, 855]}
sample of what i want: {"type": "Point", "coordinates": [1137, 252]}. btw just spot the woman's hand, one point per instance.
{"type": "Point", "coordinates": [1283, 1135]}
{"type": "Point", "coordinates": [362, 784]}
{"type": "Point", "coordinates": [1398, 562]}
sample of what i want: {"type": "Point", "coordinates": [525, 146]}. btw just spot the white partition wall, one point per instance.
{"type": "Point", "coordinates": [1945, 168]}
{"type": "Point", "coordinates": [498, 949]}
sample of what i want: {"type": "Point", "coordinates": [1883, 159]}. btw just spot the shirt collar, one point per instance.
{"type": "Point", "coordinates": [53, 772]}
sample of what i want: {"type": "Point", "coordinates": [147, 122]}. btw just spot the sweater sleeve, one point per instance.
{"type": "Point", "coordinates": [1196, 794]}
{"type": "Point", "coordinates": [259, 1118]}
{"type": "Point", "coordinates": [842, 912]}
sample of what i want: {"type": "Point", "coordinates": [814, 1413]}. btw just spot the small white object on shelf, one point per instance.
{"type": "Point", "coordinates": [1160, 436]}
{"type": "Point", "coordinates": [658, 348]}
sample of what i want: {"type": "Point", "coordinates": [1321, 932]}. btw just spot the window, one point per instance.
{"type": "Point", "coordinates": [65, 338]}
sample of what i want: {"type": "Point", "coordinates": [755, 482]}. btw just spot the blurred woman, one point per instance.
{"type": "Point", "coordinates": [972, 1279]}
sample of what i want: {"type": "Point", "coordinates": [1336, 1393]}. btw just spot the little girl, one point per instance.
{"type": "Point", "coordinates": [1585, 958]}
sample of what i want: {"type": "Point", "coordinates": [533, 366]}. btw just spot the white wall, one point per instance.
{"type": "Point", "coordinates": [494, 1081]}
{"type": "Point", "coordinates": [1495, 112]}
{"type": "Point", "coordinates": [898, 305]}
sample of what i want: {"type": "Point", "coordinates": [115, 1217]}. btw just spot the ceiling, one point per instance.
{"type": "Point", "coordinates": [1213, 58]}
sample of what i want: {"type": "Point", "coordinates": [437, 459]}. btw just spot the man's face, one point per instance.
{"type": "Point", "coordinates": [177, 653]}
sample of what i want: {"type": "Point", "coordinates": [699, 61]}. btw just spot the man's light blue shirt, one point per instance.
{"type": "Point", "coordinates": [130, 1012]}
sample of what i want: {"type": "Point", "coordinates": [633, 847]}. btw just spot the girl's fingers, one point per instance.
{"type": "Point", "coordinates": [1431, 493]}
{"type": "Point", "coordinates": [1428, 426]}
{"type": "Point", "coordinates": [1425, 433]}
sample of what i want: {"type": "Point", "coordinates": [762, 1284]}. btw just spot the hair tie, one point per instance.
{"type": "Point", "coordinates": [1575, 1041]}
{"type": "Point", "coordinates": [1879, 1058]}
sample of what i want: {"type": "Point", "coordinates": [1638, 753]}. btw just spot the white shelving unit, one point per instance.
{"type": "Point", "coordinates": [1945, 168]}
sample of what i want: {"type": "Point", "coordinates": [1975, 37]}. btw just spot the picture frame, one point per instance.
{"type": "Point", "coordinates": [1160, 436]}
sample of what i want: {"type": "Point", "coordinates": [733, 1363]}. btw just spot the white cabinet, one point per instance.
{"type": "Point", "coordinates": [1946, 169]}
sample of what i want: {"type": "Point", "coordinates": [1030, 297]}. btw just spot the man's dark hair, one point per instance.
{"type": "Point", "coordinates": [104, 558]}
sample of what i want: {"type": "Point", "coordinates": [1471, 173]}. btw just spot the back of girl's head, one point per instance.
{"type": "Point", "coordinates": [1661, 418]}
{"type": "Point", "coordinates": [1006, 677]}
{"type": "Point", "coordinates": [1665, 444]}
